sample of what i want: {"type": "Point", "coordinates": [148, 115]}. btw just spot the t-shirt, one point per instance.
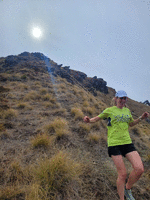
{"type": "Point", "coordinates": [118, 124]}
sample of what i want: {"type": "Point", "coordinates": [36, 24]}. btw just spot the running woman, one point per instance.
{"type": "Point", "coordinates": [120, 144]}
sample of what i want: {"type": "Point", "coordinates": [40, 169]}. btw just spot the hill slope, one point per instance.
{"type": "Point", "coordinates": [47, 152]}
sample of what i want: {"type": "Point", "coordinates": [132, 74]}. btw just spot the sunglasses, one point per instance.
{"type": "Point", "coordinates": [125, 98]}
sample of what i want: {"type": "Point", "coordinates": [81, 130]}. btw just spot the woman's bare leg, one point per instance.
{"type": "Point", "coordinates": [138, 168]}
{"type": "Point", "coordinates": [118, 161]}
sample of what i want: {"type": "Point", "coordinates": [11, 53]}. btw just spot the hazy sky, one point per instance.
{"type": "Point", "coordinates": [109, 39]}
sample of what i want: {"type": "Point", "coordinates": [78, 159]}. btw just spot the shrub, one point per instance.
{"type": "Point", "coordinates": [77, 112]}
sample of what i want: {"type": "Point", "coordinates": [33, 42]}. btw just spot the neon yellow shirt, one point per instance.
{"type": "Point", "coordinates": [118, 124]}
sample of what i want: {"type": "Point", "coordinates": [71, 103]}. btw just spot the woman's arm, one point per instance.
{"type": "Point", "coordinates": [92, 120]}
{"type": "Point", "coordinates": [136, 121]}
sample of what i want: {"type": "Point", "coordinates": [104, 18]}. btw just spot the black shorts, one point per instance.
{"type": "Point", "coordinates": [121, 149]}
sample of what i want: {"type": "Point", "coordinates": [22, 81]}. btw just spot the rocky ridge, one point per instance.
{"type": "Point", "coordinates": [40, 62]}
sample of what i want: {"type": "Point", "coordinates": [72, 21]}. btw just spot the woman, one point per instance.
{"type": "Point", "coordinates": [120, 144]}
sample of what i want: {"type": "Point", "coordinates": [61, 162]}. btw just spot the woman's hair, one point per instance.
{"type": "Point", "coordinates": [113, 102]}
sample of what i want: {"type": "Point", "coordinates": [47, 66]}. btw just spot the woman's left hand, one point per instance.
{"type": "Point", "coordinates": [145, 115]}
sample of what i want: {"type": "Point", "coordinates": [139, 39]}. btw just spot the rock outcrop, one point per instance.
{"type": "Point", "coordinates": [40, 62]}
{"type": "Point", "coordinates": [146, 103]}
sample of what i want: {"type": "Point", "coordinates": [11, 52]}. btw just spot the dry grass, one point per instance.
{"type": "Point", "coordinates": [84, 128]}
{"type": "Point", "coordinates": [21, 105]}
{"type": "Point", "coordinates": [59, 127]}
{"type": "Point", "coordinates": [88, 110]}
{"type": "Point", "coordinates": [93, 137]}
{"type": "Point", "coordinates": [43, 91]}
{"type": "Point", "coordinates": [49, 97]}
{"type": "Point", "coordinates": [78, 114]}
{"type": "Point", "coordinates": [42, 140]}
{"type": "Point", "coordinates": [52, 177]}
{"type": "Point", "coordinates": [32, 95]}
{"type": "Point", "coordinates": [85, 103]}
{"type": "Point", "coordinates": [10, 114]}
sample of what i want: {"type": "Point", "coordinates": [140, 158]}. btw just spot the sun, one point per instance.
{"type": "Point", "coordinates": [36, 32]}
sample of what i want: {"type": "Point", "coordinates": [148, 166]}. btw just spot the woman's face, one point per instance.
{"type": "Point", "coordinates": [121, 101]}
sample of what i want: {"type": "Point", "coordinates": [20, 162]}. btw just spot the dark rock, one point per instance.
{"type": "Point", "coordinates": [146, 103]}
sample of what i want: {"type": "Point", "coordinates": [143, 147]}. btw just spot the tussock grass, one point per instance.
{"type": "Point", "coordinates": [93, 137]}
{"type": "Point", "coordinates": [88, 110]}
{"type": "Point", "coordinates": [48, 105]}
{"type": "Point", "coordinates": [43, 91]}
{"type": "Point", "coordinates": [42, 139]}
{"type": "Point", "coordinates": [78, 114]}
{"type": "Point", "coordinates": [84, 128]}
{"type": "Point", "coordinates": [59, 126]}
{"type": "Point", "coordinates": [53, 176]}
{"type": "Point", "coordinates": [2, 127]}
{"type": "Point", "coordinates": [49, 97]}
{"type": "Point", "coordinates": [15, 172]}
{"type": "Point", "coordinates": [32, 95]}
{"type": "Point", "coordinates": [21, 105]}
{"type": "Point", "coordinates": [22, 86]}
{"type": "Point", "coordinates": [9, 114]}
{"type": "Point", "coordinates": [11, 192]}
{"type": "Point", "coordinates": [85, 103]}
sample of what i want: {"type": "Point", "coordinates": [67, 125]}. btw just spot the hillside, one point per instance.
{"type": "Point", "coordinates": [47, 152]}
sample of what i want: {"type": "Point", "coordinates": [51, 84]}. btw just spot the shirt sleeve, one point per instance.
{"type": "Point", "coordinates": [105, 114]}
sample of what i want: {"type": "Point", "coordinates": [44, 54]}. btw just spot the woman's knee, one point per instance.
{"type": "Point", "coordinates": [122, 175]}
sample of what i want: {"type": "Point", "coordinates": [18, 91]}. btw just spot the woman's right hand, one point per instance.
{"type": "Point", "coordinates": [86, 119]}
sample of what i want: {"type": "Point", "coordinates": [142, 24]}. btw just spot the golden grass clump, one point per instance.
{"type": "Point", "coordinates": [42, 140]}
{"type": "Point", "coordinates": [59, 126]}
{"type": "Point", "coordinates": [9, 114]}
{"type": "Point", "coordinates": [21, 105]}
{"type": "Point", "coordinates": [85, 103]}
{"type": "Point", "coordinates": [54, 176]}
{"type": "Point", "coordinates": [84, 128]}
{"type": "Point", "coordinates": [89, 110]}
{"type": "Point", "coordinates": [48, 104]}
{"type": "Point", "coordinates": [2, 127]}
{"type": "Point", "coordinates": [43, 91]}
{"type": "Point", "coordinates": [32, 95]}
{"type": "Point", "coordinates": [48, 97]}
{"type": "Point", "coordinates": [11, 192]}
{"type": "Point", "coordinates": [93, 137]}
{"type": "Point", "coordinates": [22, 86]}
{"type": "Point", "coordinates": [78, 114]}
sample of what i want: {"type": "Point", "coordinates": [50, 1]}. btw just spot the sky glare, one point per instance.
{"type": "Point", "coordinates": [108, 39]}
